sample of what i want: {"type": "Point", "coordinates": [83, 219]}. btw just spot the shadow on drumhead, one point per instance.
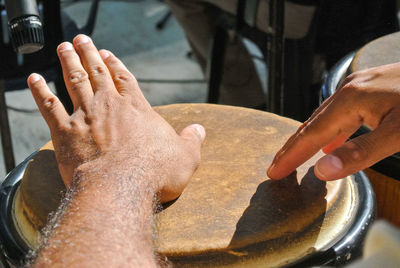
{"type": "Point", "coordinates": [279, 213]}
{"type": "Point", "coordinates": [283, 218]}
{"type": "Point", "coordinates": [281, 206]}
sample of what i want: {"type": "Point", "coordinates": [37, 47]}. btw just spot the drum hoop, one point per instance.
{"type": "Point", "coordinates": [389, 166]}
{"type": "Point", "coordinates": [12, 245]}
{"type": "Point", "coordinates": [350, 244]}
{"type": "Point", "coordinates": [336, 75]}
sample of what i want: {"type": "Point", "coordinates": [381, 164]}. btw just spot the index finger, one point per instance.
{"type": "Point", "coordinates": [336, 119]}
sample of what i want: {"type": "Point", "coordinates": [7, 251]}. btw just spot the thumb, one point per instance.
{"type": "Point", "coordinates": [194, 134]}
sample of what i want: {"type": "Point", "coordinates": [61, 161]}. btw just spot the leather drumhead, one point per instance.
{"type": "Point", "coordinates": [230, 213]}
{"type": "Point", "coordinates": [382, 51]}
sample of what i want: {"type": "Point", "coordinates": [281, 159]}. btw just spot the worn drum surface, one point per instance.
{"type": "Point", "coordinates": [384, 175]}
{"type": "Point", "coordinates": [230, 214]}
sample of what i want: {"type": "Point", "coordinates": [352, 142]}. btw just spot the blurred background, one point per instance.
{"type": "Point", "coordinates": [318, 34]}
{"type": "Point", "coordinates": [128, 29]}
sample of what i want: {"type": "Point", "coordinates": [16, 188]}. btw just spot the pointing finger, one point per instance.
{"type": "Point", "coordinates": [322, 130]}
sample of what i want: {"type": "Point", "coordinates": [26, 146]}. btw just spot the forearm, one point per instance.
{"type": "Point", "coordinates": [106, 220]}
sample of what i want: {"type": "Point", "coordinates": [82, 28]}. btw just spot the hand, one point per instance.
{"type": "Point", "coordinates": [370, 97]}
{"type": "Point", "coordinates": [112, 124]}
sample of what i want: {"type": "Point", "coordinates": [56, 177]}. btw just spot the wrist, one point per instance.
{"type": "Point", "coordinates": [103, 199]}
{"type": "Point", "coordinates": [117, 176]}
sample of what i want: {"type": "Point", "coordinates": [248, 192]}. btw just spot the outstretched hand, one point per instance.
{"type": "Point", "coordinates": [370, 97]}
{"type": "Point", "coordinates": [112, 124]}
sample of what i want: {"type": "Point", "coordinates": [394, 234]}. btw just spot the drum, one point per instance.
{"type": "Point", "coordinates": [384, 175]}
{"type": "Point", "coordinates": [230, 214]}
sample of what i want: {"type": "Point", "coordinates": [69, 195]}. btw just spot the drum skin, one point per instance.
{"type": "Point", "coordinates": [230, 214]}
{"type": "Point", "coordinates": [382, 51]}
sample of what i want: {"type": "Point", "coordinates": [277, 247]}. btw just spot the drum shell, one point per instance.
{"type": "Point", "coordinates": [384, 175]}
{"type": "Point", "coordinates": [337, 250]}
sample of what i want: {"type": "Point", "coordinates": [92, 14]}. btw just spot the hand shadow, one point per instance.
{"type": "Point", "coordinates": [281, 214]}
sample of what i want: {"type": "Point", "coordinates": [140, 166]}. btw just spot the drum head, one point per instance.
{"type": "Point", "coordinates": [382, 51]}
{"type": "Point", "coordinates": [230, 213]}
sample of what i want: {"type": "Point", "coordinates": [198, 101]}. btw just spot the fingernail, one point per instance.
{"type": "Point", "coordinates": [82, 39]}
{"type": "Point", "coordinates": [65, 46]}
{"type": "Point", "coordinates": [33, 78]}
{"type": "Point", "coordinates": [328, 166]}
{"type": "Point", "coordinates": [105, 54]}
{"type": "Point", "coordinates": [200, 130]}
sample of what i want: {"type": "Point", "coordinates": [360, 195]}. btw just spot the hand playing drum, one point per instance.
{"type": "Point", "coordinates": [115, 154]}
{"type": "Point", "coordinates": [385, 174]}
{"type": "Point", "coordinates": [370, 97]}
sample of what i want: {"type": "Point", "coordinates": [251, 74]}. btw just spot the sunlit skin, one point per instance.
{"type": "Point", "coordinates": [118, 158]}
{"type": "Point", "coordinates": [370, 97]}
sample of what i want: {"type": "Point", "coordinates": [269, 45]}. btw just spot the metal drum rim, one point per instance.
{"type": "Point", "coordinates": [343, 249]}
{"type": "Point", "coordinates": [12, 245]}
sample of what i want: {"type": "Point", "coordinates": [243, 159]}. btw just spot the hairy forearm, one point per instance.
{"type": "Point", "coordinates": [106, 219]}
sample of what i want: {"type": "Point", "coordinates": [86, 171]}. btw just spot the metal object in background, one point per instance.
{"type": "Point", "coordinates": [275, 57]}
{"type": "Point", "coordinates": [163, 21]}
{"type": "Point", "coordinates": [15, 67]}
{"type": "Point", "coordinates": [273, 41]}
{"type": "Point", "coordinates": [214, 71]}
{"type": "Point", "coordinates": [5, 131]}
{"type": "Point", "coordinates": [25, 26]}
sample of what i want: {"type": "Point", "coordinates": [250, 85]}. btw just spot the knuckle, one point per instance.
{"type": "Point", "coordinates": [64, 53]}
{"type": "Point", "coordinates": [63, 129]}
{"type": "Point", "coordinates": [76, 126]}
{"type": "Point", "coordinates": [96, 70]}
{"type": "Point", "coordinates": [309, 135]}
{"type": "Point", "coordinates": [353, 89]}
{"type": "Point", "coordinates": [360, 149]}
{"type": "Point", "coordinates": [349, 78]}
{"type": "Point", "coordinates": [303, 126]}
{"type": "Point", "coordinates": [351, 86]}
{"type": "Point", "coordinates": [112, 60]}
{"type": "Point", "coordinates": [124, 77]}
{"type": "Point", "coordinates": [77, 77]}
{"type": "Point", "coordinates": [50, 103]}
{"type": "Point", "coordinates": [305, 130]}
{"type": "Point", "coordinates": [194, 155]}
